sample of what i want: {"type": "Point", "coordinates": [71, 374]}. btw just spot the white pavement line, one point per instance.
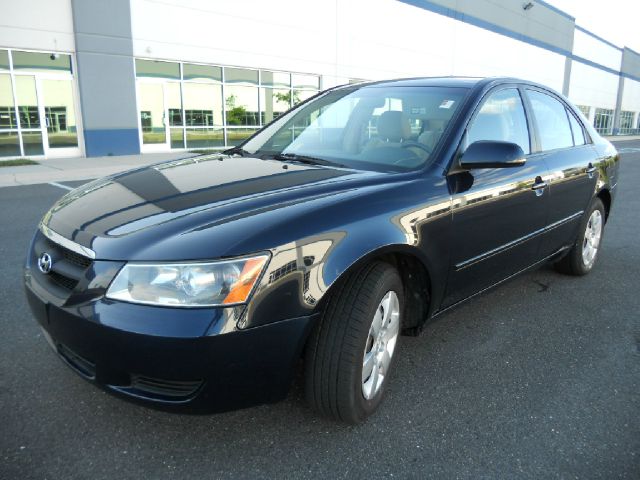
{"type": "Point", "coordinates": [59, 185]}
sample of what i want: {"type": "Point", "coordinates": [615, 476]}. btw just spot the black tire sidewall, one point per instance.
{"type": "Point", "coordinates": [389, 281]}
{"type": "Point", "coordinates": [576, 255]}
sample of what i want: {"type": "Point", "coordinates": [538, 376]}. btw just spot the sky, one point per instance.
{"type": "Point", "coordinates": [614, 20]}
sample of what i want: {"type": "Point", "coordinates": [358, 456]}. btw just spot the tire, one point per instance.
{"type": "Point", "coordinates": [345, 333]}
{"type": "Point", "coordinates": [584, 253]}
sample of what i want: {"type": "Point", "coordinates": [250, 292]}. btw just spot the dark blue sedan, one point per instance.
{"type": "Point", "coordinates": [354, 218]}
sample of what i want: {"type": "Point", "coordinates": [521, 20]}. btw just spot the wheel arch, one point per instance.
{"type": "Point", "coordinates": [605, 196]}
{"type": "Point", "coordinates": [416, 276]}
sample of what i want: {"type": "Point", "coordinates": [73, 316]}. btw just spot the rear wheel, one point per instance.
{"type": "Point", "coordinates": [350, 353]}
{"type": "Point", "coordinates": [584, 253]}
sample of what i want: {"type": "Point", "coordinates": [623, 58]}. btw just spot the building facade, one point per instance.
{"type": "Point", "coordinates": [90, 77]}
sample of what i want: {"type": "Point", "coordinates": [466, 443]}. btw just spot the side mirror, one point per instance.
{"type": "Point", "coordinates": [492, 154]}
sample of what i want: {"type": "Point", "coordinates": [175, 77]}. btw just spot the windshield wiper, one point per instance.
{"type": "Point", "coordinates": [236, 151]}
{"type": "Point", "coordinates": [294, 157]}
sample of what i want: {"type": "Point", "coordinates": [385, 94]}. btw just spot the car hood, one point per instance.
{"type": "Point", "coordinates": [200, 207]}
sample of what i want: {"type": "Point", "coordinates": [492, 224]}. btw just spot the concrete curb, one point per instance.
{"type": "Point", "coordinates": [70, 169]}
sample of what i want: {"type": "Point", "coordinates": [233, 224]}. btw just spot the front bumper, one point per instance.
{"type": "Point", "coordinates": [209, 373]}
{"type": "Point", "coordinates": [197, 359]}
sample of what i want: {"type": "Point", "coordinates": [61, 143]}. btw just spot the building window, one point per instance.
{"type": "Point", "coordinates": [626, 123]}
{"type": "Point", "coordinates": [185, 105]}
{"type": "Point", "coordinates": [4, 60]}
{"type": "Point", "coordinates": [584, 109]}
{"type": "Point", "coordinates": [157, 69]}
{"type": "Point", "coordinates": [603, 121]}
{"type": "Point", "coordinates": [41, 62]}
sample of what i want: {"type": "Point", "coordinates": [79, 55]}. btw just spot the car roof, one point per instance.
{"type": "Point", "coordinates": [466, 82]}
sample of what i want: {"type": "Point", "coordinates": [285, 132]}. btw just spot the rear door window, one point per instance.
{"type": "Point", "coordinates": [552, 121]}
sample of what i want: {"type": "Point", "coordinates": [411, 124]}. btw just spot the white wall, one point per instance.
{"type": "Point", "coordinates": [480, 52]}
{"type": "Point", "coordinates": [631, 95]}
{"type": "Point", "coordinates": [284, 35]}
{"type": "Point", "coordinates": [591, 48]}
{"type": "Point", "coordinates": [37, 25]}
{"type": "Point", "coordinates": [541, 23]}
{"type": "Point", "coordinates": [380, 39]}
{"type": "Point", "coordinates": [592, 86]}
{"type": "Point", "coordinates": [368, 39]}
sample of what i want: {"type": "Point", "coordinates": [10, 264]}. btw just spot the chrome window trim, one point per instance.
{"type": "Point", "coordinates": [66, 243]}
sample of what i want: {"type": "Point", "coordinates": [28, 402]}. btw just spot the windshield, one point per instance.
{"type": "Point", "coordinates": [371, 128]}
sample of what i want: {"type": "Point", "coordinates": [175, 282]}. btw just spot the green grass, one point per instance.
{"type": "Point", "coordinates": [16, 162]}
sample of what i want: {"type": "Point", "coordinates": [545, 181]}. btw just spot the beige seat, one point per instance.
{"type": "Point", "coordinates": [393, 128]}
{"type": "Point", "coordinates": [394, 131]}
{"type": "Point", "coordinates": [431, 134]}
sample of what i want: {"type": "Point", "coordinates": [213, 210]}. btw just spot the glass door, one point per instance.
{"type": "Point", "coordinates": [57, 109]}
{"type": "Point", "coordinates": [29, 115]}
{"type": "Point", "coordinates": [161, 121]}
{"type": "Point", "coordinates": [9, 136]}
{"type": "Point", "coordinates": [37, 105]}
{"type": "Point", "coordinates": [46, 115]}
{"type": "Point", "coordinates": [153, 116]}
{"type": "Point", "coordinates": [173, 101]}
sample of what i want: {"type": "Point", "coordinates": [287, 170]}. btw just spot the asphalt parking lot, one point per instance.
{"type": "Point", "coordinates": [539, 378]}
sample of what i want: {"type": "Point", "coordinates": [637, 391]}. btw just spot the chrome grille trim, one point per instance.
{"type": "Point", "coordinates": [66, 243]}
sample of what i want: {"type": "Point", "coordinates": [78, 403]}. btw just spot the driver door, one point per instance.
{"type": "Point", "coordinates": [498, 213]}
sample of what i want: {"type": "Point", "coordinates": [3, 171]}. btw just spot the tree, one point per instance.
{"type": "Point", "coordinates": [236, 115]}
{"type": "Point", "coordinates": [287, 97]}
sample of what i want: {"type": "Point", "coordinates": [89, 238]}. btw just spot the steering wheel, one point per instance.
{"type": "Point", "coordinates": [413, 144]}
{"type": "Point", "coordinates": [421, 146]}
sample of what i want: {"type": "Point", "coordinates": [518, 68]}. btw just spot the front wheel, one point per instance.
{"type": "Point", "coordinates": [351, 351]}
{"type": "Point", "coordinates": [584, 253]}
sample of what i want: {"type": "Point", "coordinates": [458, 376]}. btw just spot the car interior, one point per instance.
{"type": "Point", "coordinates": [395, 130]}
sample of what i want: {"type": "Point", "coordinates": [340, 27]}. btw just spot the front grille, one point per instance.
{"type": "Point", "coordinates": [68, 267]}
{"type": "Point", "coordinates": [75, 258]}
{"type": "Point", "coordinates": [65, 282]}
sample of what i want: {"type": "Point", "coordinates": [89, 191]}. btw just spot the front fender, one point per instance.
{"type": "Point", "coordinates": [301, 273]}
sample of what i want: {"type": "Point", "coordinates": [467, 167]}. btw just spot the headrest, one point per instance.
{"type": "Point", "coordinates": [393, 126]}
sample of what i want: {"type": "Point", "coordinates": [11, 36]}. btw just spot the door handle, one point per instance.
{"type": "Point", "coordinates": [590, 170]}
{"type": "Point", "coordinates": [538, 186]}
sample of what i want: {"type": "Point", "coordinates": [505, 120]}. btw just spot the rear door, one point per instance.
{"type": "Point", "coordinates": [499, 213]}
{"type": "Point", "coordinates": [564, 146]}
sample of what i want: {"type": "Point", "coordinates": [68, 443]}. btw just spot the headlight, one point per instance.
{"type": "Point", "coordinates": [188, 284]}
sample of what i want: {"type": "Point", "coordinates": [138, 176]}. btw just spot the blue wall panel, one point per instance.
{"type": "Point", "coordinates": [99, 143]}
